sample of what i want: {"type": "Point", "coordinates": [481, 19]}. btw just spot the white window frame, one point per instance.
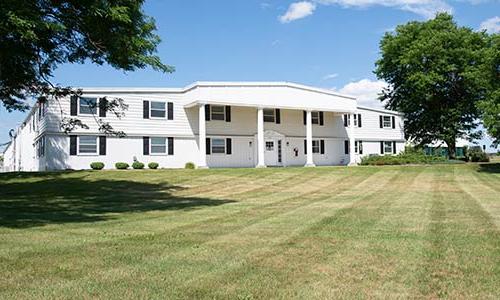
{"type": "Point", "coordinates": [358, 145]}
{"type": "Point", "coordinates": [223, 113]}
{"type": "Point", "coordinates": [88, 153]}
{"type": "Point", "coordinates": [269, 143]}
{"type": "Point", "coordinates": [355, 122]}
{"type": "Point", "coordinates": [269, 113]}
{"type": "Point", "coordinates": [384, 120]}
{"type": "Point", "coordinates": [390, 151]}
{"type": "Point", "coordinates": [164, 110]}
{"type": "Point", "coordinates": [222, 146]}
{"type": "Point", "coordinates": [316, 146]}
{"type": "Point", "coordinates": [315, 117]}
{"type": "Point", "coordinates": [151, 145]}
{"type": "Point", "coordinates": [86, 99]}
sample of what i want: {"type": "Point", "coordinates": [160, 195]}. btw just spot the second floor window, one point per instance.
{"type": "Point", "coordinates": [217, 112]}
{"type": "Point", "coordinates": [269, 115]}
{"type": "Point", "coordinates": [315, 119]}
{"type": "Point", "coordinates": [88, 106]}
{"type": "Point", "coordinates": [157, 109]}
{"type": "Point", "coordinates": [387, 122]}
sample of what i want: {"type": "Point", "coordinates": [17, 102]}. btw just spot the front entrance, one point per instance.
{"type": "Point", "coordinates": [273, 152]}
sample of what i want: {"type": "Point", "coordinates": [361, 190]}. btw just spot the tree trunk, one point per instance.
{"type": "Point", "coordinates": [452, 148]}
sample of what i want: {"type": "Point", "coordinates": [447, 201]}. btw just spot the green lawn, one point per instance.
{"type": "Point", "coordinates": [359, 232]}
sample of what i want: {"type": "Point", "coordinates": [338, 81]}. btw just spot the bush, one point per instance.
{"type": "Point", "coordinates": [153, 165]}
{"type": "Point", "coordinates": [477, 155]}
{"type": "Point", "coordinates": [97, 165]}
{"type": "Point", "coordinates": [137, 165]}
{"type": "Point", "coordinates": [190, 165]}
{"type": "Point", "coordinates": [121, 165]}
{"type": "Point", "coordinates": [409, 156]}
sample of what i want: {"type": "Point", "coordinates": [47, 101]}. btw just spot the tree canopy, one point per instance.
{"type": "Point", "coordinates": [36, 36]}
{"type": "Point", "coordinates": [436, 75]}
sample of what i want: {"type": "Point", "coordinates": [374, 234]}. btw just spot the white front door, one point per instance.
{"type": "Point", "coordinates": [271, 152]}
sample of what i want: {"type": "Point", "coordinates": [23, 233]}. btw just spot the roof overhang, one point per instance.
{"type": "Point", "coordinates": [281, 95]}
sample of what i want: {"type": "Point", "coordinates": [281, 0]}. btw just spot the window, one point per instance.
{"type": "Point", "coordinates": [315, 117]}
{"type": "Point", "coordinates": [158, 145]}
{"type": "Point", "coordinates": [88, 106]}
{"type": "Point", "coordinates": [387, 147]}
{"type": "Point", "coordinates": [269, 115]}
{"type": "Point", "coordinates": [40, 147]}
{"type": "Point", "coordinates": [218, 146]}
{"type": "Point", "coordinates": [316, 146]}
{"type": "Point", "coordinates": [270, 146]}
{"type": "Point", "coordinates": [387, 122]}
{"type": "Point", "coordinates": [87, 144]}
{"type": "Point", "coordinates": [217, 112]}
{"type": "Point", "coordinates": [355, 120]}
{"type": "Point", "coordinates": [358, 147]}
{"type": "Point", "coordinates": [157, 109]}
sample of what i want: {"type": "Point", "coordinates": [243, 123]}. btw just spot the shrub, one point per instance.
{"type": "Point", "coordinates": [137, 165]}
{"type": "Point", "coordinates": [121, 165]}
{"type": "Point", "coordinates": [409, 156]}
{"type": "Point", "coordinates": [190, 165]}
{"type": "Point", "coordinates": [153, 165]}
{"type": "Point", "coordinates": [477, 155]}
{"type": "Point", "coordinates": [97, 165]}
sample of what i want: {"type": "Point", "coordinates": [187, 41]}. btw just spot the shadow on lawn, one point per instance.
{"type": "Point", "coordinates": [69, 200]}
{"type": "Point", "coordinates": [489, 168]}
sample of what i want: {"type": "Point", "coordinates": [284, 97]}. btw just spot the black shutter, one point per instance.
{"type": "Point", "coordinates": [360, 147]}
{"type": "Point", "coordinates": [346, 147]}
{"type": "Point", "coordinates": [208, 149]}
{"type": "Point", "coordinates": [345, 121]}
{"type": "Point", "coordinates": [304, 116]}
{"type": "Point", "coordinates": [229, 148]}
{"type": "Point", "coordinates": [170, 141]}
{"type": "Point", "coordinates": [321, 118]}
{"type": "Point", "coordinates": [170, 111]}
{"type": "Point", "coordinates": [394, 147]}
{"type": "Point", "coordinates": [72, 145]}
{"type": "Point", "coordinates": [359, 120]}
{"type": "Point", "coordinates": [228, 113]}
{"type": "Point", "coordinates": [381, 119]}
{"type": "Point", "coordinates": [207, 112]}
{"type": "Point", "coordinates": [322, 146]}
{"type": "Point", "coordinates": [145, 109]}
{"type": "Point", "coordinates": [145, 145]}
{"type": "Point", "coordinates": [381, 147]}
{"type": "Point", "coordinates": [305, 146]}
{"type": "Point", "coordinates": [102, 107]}
{"type": "Point", "coordinates": [74, 106]}
{"type": "Point", "coordinates": [102, 145]}
{"type": "Point", "coordinates": [393, 122]}
{"type": "Point", "coordinates": [278, 116]}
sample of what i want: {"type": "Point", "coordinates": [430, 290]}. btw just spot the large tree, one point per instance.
{"type": "Point", "coordinates": [36, 36]}
{"type": "Point", "coordinates": [435, 72]}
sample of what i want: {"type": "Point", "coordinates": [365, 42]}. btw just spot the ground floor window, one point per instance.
{"type": "Point", "coordinates": [40, 147]}
{"type": "Point", "coordinates": [158, 145]}
{"type": "Point", "coordinates": [316, 146]}
{"type": "Point", "coordinates": [218, 146]}
{"type": "Point", "coordinates": [270, 146]}
{"type": "Point", "coordinates": [358, 147]}
{"type": "Point", "coordinates": [387, 147]}
{"type": "Point", "coordinates": [87, 144]}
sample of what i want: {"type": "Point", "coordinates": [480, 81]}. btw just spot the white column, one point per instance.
{"type": "Point", "coordinates": [260, 138]}
{"type": "Point", "coordinates": [309, 142]}
{"type": "Point", "coordinates": [352, 153]}
{"type": "Point", "coordinates": [202, 137]}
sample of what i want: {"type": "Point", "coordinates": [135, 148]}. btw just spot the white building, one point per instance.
{"type": "Point", "coordinates": [212, 124]}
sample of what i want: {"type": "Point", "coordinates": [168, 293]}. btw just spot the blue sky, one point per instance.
{"type": "Point", "coordinates": [326, 43]}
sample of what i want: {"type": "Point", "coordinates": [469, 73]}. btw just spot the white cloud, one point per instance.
{"type": "Point", "coordinates": [365, 90]}
{"type": "Point", "coordinates": [298, 10]}
{"type": "Point", "coordinates": [425, 8]}
{"type": "Point", "coordinates": [330, 76]}
{"type": "Point", "coordinates": [491, 25]}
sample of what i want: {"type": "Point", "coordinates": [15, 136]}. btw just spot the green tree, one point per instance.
{"type": "Point", "coordinates": [435, 72]}
{"type": "Point", "coordinates": [490, 107]}
{"type": "Point", "coordinates": [36, 36]}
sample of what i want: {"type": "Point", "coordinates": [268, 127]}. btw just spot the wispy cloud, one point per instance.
{"type": "Point", "coordinates": [424, 8]}
{"type": "Point", "coordinates": [491, 25]}
{"type": "Point", "coordinates": [298, 10]}
{"type": "Point", "coordinates": [330, 76]}
{"type": "Point", "coordinates": [365, 90]}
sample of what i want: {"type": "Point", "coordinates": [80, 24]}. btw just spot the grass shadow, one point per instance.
{"type": "Point", "coordinates": [70, 200]}
{"type": "Point", "coordinates": [489, 168]}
